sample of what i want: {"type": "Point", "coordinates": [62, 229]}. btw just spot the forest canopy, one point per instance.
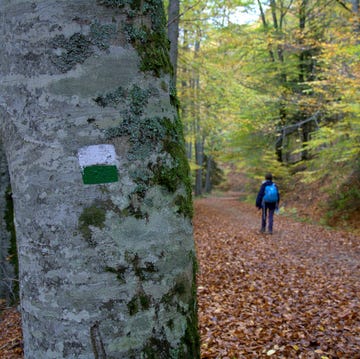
{"type": "Point", "coordinates": [279, 92]}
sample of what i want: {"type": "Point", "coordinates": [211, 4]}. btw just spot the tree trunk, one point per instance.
{"type": "Point", "coordinates": [273, 14]}
{"type": "Point", "coordinates": [208, 186]}
{"type": "Point", "coordinates": [100, 181]}
{"type": "Point", "coordinates": [266, 27]}
{"type": "Point", "coordinates": [278, 33]}
{"type": "Point", "coordinates": [199, 158]}
{"type": "Point", "coordinates": [304, 54]}
{"type": "Point", "coordinates": [173, 32]}
{"type": "Point", "coordinates": [199, 153]}
{"type": "Point", "coordinates": [356, 11]}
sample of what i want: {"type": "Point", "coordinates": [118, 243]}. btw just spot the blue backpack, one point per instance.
{"type": "Point", "coordinates": [271, 194]}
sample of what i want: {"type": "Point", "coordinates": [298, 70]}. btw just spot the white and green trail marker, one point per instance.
{"type": "Point", "coordinates": [98, 164]}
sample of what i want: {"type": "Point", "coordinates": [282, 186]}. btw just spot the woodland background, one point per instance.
{"type": "Point", "coordinates": [274, 86]}
{"type": "Point", "coordinates": [269, 86]}
{"type": "Point", "coordinates": [278, 93]}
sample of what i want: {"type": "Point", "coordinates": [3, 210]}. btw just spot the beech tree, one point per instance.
{"type": "Point", "coordinates": [100, 180]}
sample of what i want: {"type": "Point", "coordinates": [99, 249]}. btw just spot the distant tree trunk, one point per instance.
{"type": "Point", "coordinates": [199, 158]}
{"type": "Point", "coordinates": [280, 143]}
{"type": "Point", "coordinates": [302, 56]}
{"type": "Point", "coordinates": [262, 14]}
{"type": "Point", "coordinates": [356, 10]}
{"type": "Point", "coordinates": [273, 7]}
{"type": "Point", "coordinates": [7, 257]}
{"type": "Point", "coordinates": [185, 109]}
{"type": "Point", "coordinates": [266, 27]}
{"type": "Point", "coordinates": [306, 55]}
{"type": "Point", "coordinates": [199, 150]}
{"type": "Point", "coordinates": [100, 181]}
{"type": "Point", "coordinates": [355, 6]}
{"type": "Point", "coordinates": [277, 25]}
{"type": "Point", "coordinates": [173, 33]}
{"type": "Point", "coordinates": [208, 185]}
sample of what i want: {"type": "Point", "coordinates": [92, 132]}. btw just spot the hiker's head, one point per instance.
{"type": "Point", "coordinates": [268, 177]}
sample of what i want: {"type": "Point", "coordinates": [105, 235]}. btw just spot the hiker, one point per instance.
{"type": "Point", "coordinates": [268, 200]}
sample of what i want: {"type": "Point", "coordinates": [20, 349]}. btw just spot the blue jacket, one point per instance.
{"type": "Point", "coordinates": [260, 196]}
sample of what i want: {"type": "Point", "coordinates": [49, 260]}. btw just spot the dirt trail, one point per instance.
{"type": "Point", "coordinates": [295, 294]}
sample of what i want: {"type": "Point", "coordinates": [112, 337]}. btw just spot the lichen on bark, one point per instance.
{"type": "Point", "coordinates": [170, 169]}
{"type": "Point", "coordinates": [149, 39]}
{"type": "Point", "coordinates": [93, 216]}
{"type": "Point", "coordinates": [79, 47]}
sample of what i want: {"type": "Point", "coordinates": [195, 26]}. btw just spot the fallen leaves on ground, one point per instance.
{"type": "Point", "coordinates": [295, 294]}
{"type": "Point", "coordinates": [10, 335]}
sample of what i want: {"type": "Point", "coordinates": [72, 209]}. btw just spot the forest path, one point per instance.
{"type": "Point", "coordinates": [293, 294]}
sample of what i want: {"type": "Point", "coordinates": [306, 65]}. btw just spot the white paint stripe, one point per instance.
{"type": "Point", "coordinates": [97, 155]}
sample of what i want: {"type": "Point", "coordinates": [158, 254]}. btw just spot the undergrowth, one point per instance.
{"type": "Point", "coordinates": [330, 197]}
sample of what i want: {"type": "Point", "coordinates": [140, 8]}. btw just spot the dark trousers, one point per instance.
{"type": "Point", "coordinates": [268, 211]}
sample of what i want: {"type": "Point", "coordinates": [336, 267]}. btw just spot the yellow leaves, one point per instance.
{"type": "Point", "coordinates": [321, 328]}
{"type": "Point", "coordinates": [320, 352]}
{"type": "Point", "coordinates": [193, 166]}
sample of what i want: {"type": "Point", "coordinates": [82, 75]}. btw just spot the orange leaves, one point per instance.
{"type": "Point", "coordinates": [10, 335]}
{"type": "Point", "coordinates": [291, 295]}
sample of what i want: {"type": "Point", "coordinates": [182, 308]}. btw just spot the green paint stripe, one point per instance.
{"type": "Point", "coordinates": [100, 174]}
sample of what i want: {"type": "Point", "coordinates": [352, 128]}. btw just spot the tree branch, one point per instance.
{"type": "Point", "coordinates": [343, 5]}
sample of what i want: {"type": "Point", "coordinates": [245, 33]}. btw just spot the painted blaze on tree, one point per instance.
{"type": "Point", "coordinates": [98, 164]}
{"type": "Point", "coordinates": [100, 181]}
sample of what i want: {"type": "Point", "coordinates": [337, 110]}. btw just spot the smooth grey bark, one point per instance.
{"type": "Point", "coordinates": [106, 260]}
{"type": "Point", "coordinates": [7, 269]}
